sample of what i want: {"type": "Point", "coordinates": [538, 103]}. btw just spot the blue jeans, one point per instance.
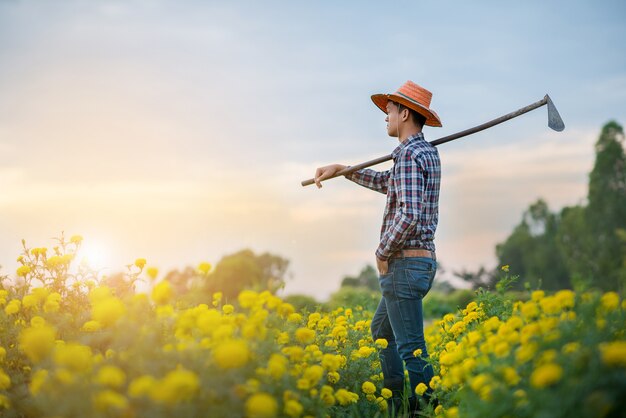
{"type": "Point", "coordinates": [399, 319]}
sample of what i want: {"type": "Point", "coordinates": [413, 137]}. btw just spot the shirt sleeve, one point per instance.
{"type": "Point", "coordinates": [374, 180]}
{"type": "Point", "coordinates": [410, 186]}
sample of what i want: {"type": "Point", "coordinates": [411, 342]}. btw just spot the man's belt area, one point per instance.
{"type": "Point", "coordinates": [413, 252]}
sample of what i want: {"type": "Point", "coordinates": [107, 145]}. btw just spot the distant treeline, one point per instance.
{"type": "Point", "coordinates": [581, 246]}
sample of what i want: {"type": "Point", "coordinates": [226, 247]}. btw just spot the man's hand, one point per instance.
{"type": "Point", "coordinates": [326, 172]}
{"type": "Point", "coordinates": [383, 266]}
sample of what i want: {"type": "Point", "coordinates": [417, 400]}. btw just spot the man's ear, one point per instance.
{"type": "Point", "coordinates": [405, 114]}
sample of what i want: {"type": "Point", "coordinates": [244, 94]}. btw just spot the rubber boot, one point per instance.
{"type": "Point", "coordinates": [396, 386]}
{"type": "Point", "coordinates": [414, 404]}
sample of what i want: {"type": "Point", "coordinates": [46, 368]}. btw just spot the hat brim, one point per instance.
{"type": "Point", "coordinates": [381, 100]}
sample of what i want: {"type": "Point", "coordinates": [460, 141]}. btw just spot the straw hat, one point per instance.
{"type": "Point", "coordinates": [412, 96]}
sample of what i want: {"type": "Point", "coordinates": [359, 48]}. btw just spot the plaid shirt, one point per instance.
{"type": "Point", "coordinates": [412, 189]}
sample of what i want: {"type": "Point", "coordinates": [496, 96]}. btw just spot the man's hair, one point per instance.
{"type": "Point", "coordinates": [419, 120]}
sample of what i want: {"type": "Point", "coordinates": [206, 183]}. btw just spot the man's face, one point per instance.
{"type": "Point", "coordinates": [392, 119]}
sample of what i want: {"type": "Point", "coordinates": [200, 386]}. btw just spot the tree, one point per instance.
{"type": "Point", "coordinates": [606, 210]}
{"type": "Point", "coordinates": [583, 245]}
{"type": "Point", "coordinates": [368, 277]}
{"type": "Point", "coordinates": [532, 250]}
{"type": "Point", "coordinates": [478, 279]}
{"type": "Point", "coordinates": [246, 270]}
{"type": "Point", "coordinates": [575, 242]}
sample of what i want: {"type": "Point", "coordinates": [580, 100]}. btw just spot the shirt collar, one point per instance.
{"type": "Point", "coordinates": [417, 136]}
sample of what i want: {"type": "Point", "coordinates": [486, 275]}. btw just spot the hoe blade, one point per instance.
{"type": "Point", "coordinates": [554, 119]}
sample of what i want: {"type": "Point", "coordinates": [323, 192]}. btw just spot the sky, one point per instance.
{"type": "Point", "coordinates": [180, 131]}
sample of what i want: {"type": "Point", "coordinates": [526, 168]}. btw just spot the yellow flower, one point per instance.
{"type": "Point", "coordinates": [417, 352]}
{"type": "Point", "coordinates": [108, 399]}
{"type": "Point", "coordinates": [610, 301]}
{"type": "Point", "coordinates": [217, 298]}
{"type": "Point", "coordinates": [277, 365]}
{"type": "Point", "coordinates": [368, 388]}
{"type": "Point", "coordinates": [381, 343]}
{"type": "Point", "coordinates": [162, 293]}
{"type": "Point", "coordinates": [5, 380]}
{"type": "Point", "coordinates": [37, 381]}
{"type": "Point", "coordinates": [333, 377]}
{"type": "Point", "coordinates": [571, 348]}
{"type": "Point", "coordinates": [59, 261]}
{"type": "Point", "coordinates": [546, 375]}
{"type": "Point", "coordinates": [614, 353]}
{"type": "Point", "coordinates": [478, 382]}
{"type": "Point", "coordinates": [13, 307]}
{"type": "Point", "coordinates": [37, 342]}
{"type": "Point", "coordinates": [29, 301]}
{"type": "Point", "coordinates": [530, 309]}
{"type": "Point", "coordinates": [76, 239]}
{"type": "Point", "coordinates": [452, 412]}
{"type": "Point", "coordinates": [231, 354]}
{"type": "Point", "coordinates": [22, 271]}
{"type": "Point", "coordinates": [510, 376]}
{"type": "Point", "coordinates": [177, 386]}
{"type": "Point", "coordinates": [501, 349]}
{"type": "Point", "coordinates": [313, 374]}
{"type": "Point", "coordinates": [339, 332]}
{"type": "Point", "coordinates": [549, 305]}
{"type": "Point", "coordinates": [305, 335]}
{"type": "Point", "coordinates": [283, 338]}
{"type": "Point", "coordinates": [537, 295]}
{"type": "Point", "coordinates": [99, 294]}
{"type": "Point", "coordinates": [108, 311]}
{"type": "Point", "coordinates": [345, 397]}
{"type": "Point", "coordinates": [294, 318]}
{"type": "Point", "coordinates": [141, 386]}
{"type": "Point", "coordinates": [261, 405]}
{"type": "Point", "coordinates": [505, 268]}
{"type": "Point", "coordinates": [152, 272]}
{"type": "Point", "coordinates": [74, 357]}
{"type": "Point", "coordinates": [111, 376]}
{"type": "Point", "coordinates": [204, 267]}
{"type": "Point", "coordinates": [293, 408]}
{"type": "Point", "coordinates": [420, 389]}
{"type": "Point", "coordinates": [386, 393]}
{"type": "Point", "coordinates": [285, 309]}
{"type": "Point", "coordinates": [566, 298]}
{"type": "Point", "coordinates": [4, 402]}
{"type": "Point", "coordinates": [327, 396]}
{"type": "Point", "coordinates": [331, 362]}
{"type": "Point", "coordinates": [52, 303]}
{"type": "Point", "coordinates": [91, 326]}
{"type": "Point", "coordinates": [365, 352]}
{"type": "Point", "coordinates": [458, 328]}
{"type": "Point", "coordinates": [140, 262]}
{"type": "Point", "coordinates": [247, 298]}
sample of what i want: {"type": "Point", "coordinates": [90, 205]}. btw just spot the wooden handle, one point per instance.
{"type": "Point", "coordinates": [351, 169]}
{"type": "Point", "coordinates": [439, 141]}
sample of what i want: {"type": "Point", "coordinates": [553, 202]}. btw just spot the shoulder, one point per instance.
{"type": "Point", "coordinates": [419, 151]}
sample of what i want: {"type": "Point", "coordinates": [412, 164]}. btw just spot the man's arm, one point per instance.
{"type": "Point", "coordinates": [410, 182]}
{"type": "Point", "coordinates": [375, 180]}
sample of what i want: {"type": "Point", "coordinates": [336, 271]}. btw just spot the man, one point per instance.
{"type": "Point", "coordinates": [405, 256]}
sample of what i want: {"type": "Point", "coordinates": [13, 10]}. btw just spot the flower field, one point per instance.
{"type": "Point", "coordinates": [72, 347]}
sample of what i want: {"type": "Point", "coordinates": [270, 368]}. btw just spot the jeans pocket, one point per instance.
{"type": "Point", "coordinates": [419, 281]}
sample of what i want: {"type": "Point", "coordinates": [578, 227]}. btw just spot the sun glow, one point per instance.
{"type": "Point", "coordinates": [95, 255]}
